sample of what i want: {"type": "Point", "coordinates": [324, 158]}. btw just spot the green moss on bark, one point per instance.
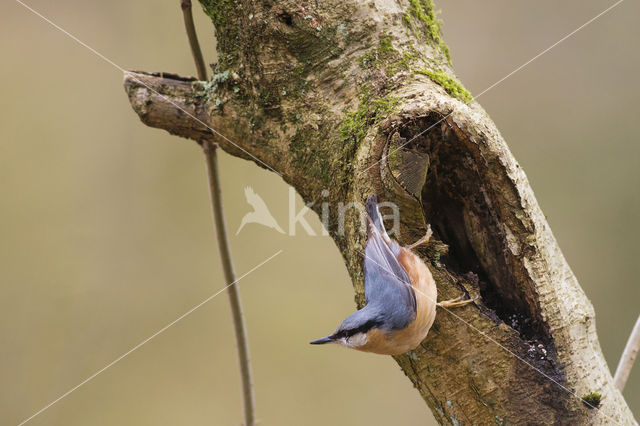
{"type": "Point", "coordinates": [370, 111]}
{"type": "Point", "coordinates": [592, 399]}
{"type": "Point", "coordinates": [380, 55]}
{"type": "Point", "coordinates": [424, 12]}
{"type": "Point", "coordinates": [385, 55]}
{"type": "Point", "coordinates": [226, 31]}
{"type": "Point", "coordinates": [451, 85]}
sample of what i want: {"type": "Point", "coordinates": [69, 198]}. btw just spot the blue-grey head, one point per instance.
{"type": "Point", "coordinates": [352, 332]}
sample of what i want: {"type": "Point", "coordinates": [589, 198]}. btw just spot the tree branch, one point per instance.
{"type": "Point", "coordinates": [181, 105]}
{"type": "Point", "coordinates": [628, 357]}
{"type": "Point", "coordinates": [215, 191]}
{"type": "Point", "coordinates": [192, 36]}
{"type": "Point", "coordinates": [240, 328]}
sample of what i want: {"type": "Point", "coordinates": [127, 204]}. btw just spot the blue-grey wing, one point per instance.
{"type": "Point", "coordinates": [376, 219]}
{"type": "Point", "coordinates": [386, 283]}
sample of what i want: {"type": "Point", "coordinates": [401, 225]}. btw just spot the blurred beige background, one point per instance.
{"type": "Point", "coordinates": [106, 234]}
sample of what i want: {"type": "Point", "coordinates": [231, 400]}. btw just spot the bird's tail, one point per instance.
{"type": "Point", "coordinates": [374, 214]}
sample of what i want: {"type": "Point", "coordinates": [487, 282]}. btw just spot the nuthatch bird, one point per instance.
{"type": "Point", "coordinates": [400, 295]}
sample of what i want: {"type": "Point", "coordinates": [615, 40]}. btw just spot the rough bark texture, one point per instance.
{"type": "Point", "coordinates": [359, 97]}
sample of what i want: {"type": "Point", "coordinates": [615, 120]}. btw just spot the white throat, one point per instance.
{"type": "Point", "coordinates": [355, 341]}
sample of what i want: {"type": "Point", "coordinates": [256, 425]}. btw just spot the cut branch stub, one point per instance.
{"type": "Point", "coordinates": [181, 105]}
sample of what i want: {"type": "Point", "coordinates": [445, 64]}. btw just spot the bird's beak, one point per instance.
{"type": "Point", "coordinates": [322, 341]}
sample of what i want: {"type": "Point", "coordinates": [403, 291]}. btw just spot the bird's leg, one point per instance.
{"type": "Point", "coordinates": [454, 303]}
{"type": "Point", "coordinates": [423, 240]}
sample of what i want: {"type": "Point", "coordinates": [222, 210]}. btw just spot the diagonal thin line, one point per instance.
{"type": "Point", "coordinates": [167, 99]}
{"type": "Point", "coordinates": [491, 339]}
{"type": "Point", "coordinates": [503, 78]}
{"type": "Point", "coordinates": [550, 47]}
{"type": "Point", "coordinates": [136, 347]}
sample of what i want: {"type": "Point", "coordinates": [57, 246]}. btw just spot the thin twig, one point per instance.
{"type": "Point", "coordinates": [210, 151]}
{"type": "Point", "coordinates": [193, 39]}
{"type": "Point", "coordinates": [628, 356]}
{"type": "Point", "coordinates": [234, 296]}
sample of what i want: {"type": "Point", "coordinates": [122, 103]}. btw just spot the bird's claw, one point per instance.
{"type": "Point", "coordinates": [458, 301]}
{"type": "Point", "coordinates": [424, 240]}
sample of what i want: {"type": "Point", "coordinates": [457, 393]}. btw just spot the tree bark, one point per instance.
{"type": "Point", "coordinates": [348, 98]}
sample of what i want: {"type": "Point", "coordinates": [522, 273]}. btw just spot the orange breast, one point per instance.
{"type": "Point", "coordinates": [426, 294]}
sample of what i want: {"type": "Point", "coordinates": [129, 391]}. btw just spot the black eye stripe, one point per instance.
{"type": "Point", "coordinates": [362, 329]}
